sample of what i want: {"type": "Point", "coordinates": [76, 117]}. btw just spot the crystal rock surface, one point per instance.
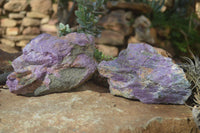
{"type": "Point", "coordinates": [53, 64]}
{"type": "Point", "coordinates": [140, 72]}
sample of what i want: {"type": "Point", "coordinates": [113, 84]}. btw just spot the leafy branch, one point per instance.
{"type": "Point", "coordinates": [88, 16]}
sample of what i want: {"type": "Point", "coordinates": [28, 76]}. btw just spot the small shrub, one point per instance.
{"type": "Point", "coordinates": [63, 29]}
{"type": "Point", "coordinates": [183, 33]}
{"type": "Point", "coordinates": [87, 17]}
{"type": "Point", "coordinates": [192, 71]}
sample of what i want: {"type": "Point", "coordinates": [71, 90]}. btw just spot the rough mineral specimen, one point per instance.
{"type": "Point", "coordinates": [52, 64]}
{"type": "Point", "coordinates": [141, 73]}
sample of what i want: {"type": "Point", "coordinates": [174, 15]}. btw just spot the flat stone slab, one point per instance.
{"type": "Point", "coordinates": [90, 109]}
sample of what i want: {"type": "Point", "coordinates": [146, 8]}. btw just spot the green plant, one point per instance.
{"type": "Point", "coordinates": [181, 7]}
{"type": "Point", "coordinates": [63, 29]}
{"type": "Point", "coordinates": [88, 16]}
{"type": "Point", "coordinates": [182, 27]}
{"type": "Point", "coordinates": [99, 56]}
{"type": "Point", "coordinates": [192, 71]}
{"type": "Point", "coordinates": [183, 32]}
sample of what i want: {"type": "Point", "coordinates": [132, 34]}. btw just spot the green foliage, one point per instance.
{"type": "Point", "coordinates": [100, 57]}
{"type": "Point", "coordinates": [88, 16]}
{"type": "Point", "coordinates": [63, 29]}
{"type": "Point", "coordinates": [181, 7]}
{"type": "Point", "coordinates": [182, 28]}
{"type": "Point", "coordinates": [192, 71]}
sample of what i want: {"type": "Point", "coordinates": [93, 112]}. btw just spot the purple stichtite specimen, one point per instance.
{"type": "Point", "coordinates": [53, 64]}
{"type": "Point", "coordinates": [140, 72]}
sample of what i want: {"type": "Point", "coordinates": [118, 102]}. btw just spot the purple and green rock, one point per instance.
{"type": "Point", "coordinates": [53, 64]}
{"type": "Point", "coordinates": [140, 72]}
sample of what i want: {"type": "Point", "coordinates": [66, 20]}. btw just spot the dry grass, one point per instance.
{"type": "Point", "coordinates": [192, 71]}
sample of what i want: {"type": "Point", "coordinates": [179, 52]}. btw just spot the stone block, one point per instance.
{"type": "Point", "coordinates": [19, 37]}
{"type": "Point", "coordinates": [10, 50]}
{"type": "Point", "coordinates": [8, 42]}
{"type": "Point", "coordinates": [108, 50]}
{"type": "Point", "coordinates": [16, 5]}
{"type": "Point", "coordinates": [138, 7]}
{"type": "Point", "coordinates": [12, 31]}
{"type": "Point", "coordinates": [111, 38]}
{"type": "Point", "coordinates": [8, 22]}
{"type": "Point", "coordinates": [31, 31]}
{"type": "Point", "coordinates": [15, 16]}
{"type": "Point", "coordinates": [22, 43]}
{"type": "Point", "coordinates": [133, 39]}
{"type": "Point", "coordinates": [23, 13]}
{"type": "Point", "coordinates": [36, 15]}
{"type": "Point", "coordinates": [142, 27]}
{"type": "Point", "coordinates": [43, 6]}
{"type": "Point", "coordinates": [30, 22]}
{"type": "Point", "coordinates": [90, 109]}
{"type": "Point", "coordinates": [116, 21]}
{"type": "Point", "coordinates": [45, 20]}
{"type": "Point", "coordinates": [48, 28]}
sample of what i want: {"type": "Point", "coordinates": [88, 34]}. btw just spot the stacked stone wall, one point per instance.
{"type": "Point", "coordinates": [22, 20]}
